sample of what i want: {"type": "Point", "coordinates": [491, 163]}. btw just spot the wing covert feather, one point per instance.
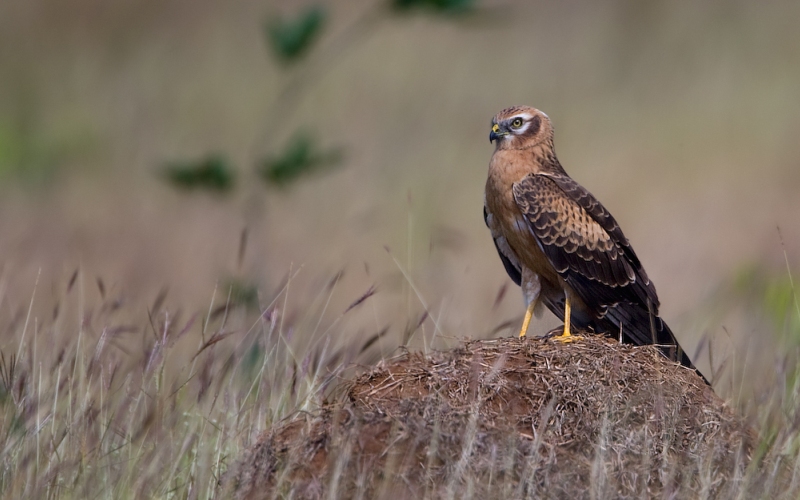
{"type": "Point", "coordinates": [583, 242]}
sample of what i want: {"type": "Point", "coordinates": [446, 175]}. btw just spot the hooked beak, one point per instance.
{"type": "Point", "coordinates": [496, 134]}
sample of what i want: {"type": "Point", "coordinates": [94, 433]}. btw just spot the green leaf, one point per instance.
{"type": "Point", "coordinates": [251, 363]}
{"type": "Point", "coordinates": [441, 6]}
{"type": "Point", "coordinates": [212, 173]}
{"type": "Point", "coordinates": [290, 39]}
{"type": "Point", "coordinates": [243, 294]}
{"type": "Point", "coordinates": [301, 157]}
{"type": "Point", "coordinates": [781, 306]}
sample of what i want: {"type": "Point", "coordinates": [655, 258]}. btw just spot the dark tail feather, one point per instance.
{"type": "Point", "coordinates": [680, 354]}
{"type": "Point", "coordinates": [639, 327]}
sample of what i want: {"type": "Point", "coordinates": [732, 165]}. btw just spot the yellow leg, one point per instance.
{"type": "Point", "coordinates": [527, 321]}
{"type": "Point", "coordinates": [566, 336]}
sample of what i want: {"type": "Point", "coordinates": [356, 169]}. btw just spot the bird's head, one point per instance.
{"type": "Point", "coordinates": [520, 127]}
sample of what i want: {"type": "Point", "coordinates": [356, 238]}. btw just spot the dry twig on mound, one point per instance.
{"type": "Point", "coordinates": [509, 418]}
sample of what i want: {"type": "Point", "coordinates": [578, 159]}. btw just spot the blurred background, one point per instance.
{"type": "Point", "coordinates": [198, 150]}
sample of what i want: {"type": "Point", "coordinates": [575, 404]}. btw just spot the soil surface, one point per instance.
{"type": "Point", "coordinates": [509, 418]}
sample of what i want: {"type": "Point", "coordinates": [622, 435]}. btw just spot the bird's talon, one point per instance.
{"type": "Point", "coordinates": [565, 338]}
{"type": "Point", "coordinates": [561, 336]}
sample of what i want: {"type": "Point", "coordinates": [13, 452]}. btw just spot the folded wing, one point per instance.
{"type": "Point", "coordinates": [587, 248]}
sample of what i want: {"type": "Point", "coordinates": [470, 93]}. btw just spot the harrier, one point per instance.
{"type": "Point", "coordinates": [560, 245]}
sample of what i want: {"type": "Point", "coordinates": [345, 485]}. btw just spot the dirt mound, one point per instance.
{"type": "Point", "coordinates": [509, 418]}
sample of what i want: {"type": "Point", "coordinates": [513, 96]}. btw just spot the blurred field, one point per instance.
{"type": "Point", "coordinates": [681, 117]}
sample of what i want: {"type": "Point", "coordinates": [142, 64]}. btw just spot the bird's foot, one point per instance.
{"type": "Point", "coordinates": [562, 335]}
{"type": "Point", "coordinates": [566, 337]}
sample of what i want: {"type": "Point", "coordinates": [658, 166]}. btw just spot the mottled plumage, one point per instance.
{"type": "Point", "coordinates": [560, 244]}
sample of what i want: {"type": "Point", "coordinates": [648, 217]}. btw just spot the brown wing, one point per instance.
{"type": "Point", "coordinates": [585, 245]}
{"type": "Point", "coordinates": [603, 217]}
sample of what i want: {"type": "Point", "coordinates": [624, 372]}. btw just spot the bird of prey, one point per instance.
{"type": "Point", "coordinates": [560, 245]}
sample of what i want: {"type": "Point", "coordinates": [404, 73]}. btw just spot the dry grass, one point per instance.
{"type": "Point", "coordinates": [511, 418]}
{"type": "Point", "coordinates": [110, 391]}
{"type": "Point", "coordinates": [103, 399]}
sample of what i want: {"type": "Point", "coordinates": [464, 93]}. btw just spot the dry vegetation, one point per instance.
{"type": "Point", "coordinates": [272, 401]}
{"type": "Point", "coordinates": [102, 399]}
{"type": "Point", "coordinates": [511, 418]}
{"type": "Point", "coordinates": [110, 389]}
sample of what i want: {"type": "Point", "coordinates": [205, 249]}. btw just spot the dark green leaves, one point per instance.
{"type": "Point", "coordinates": [301, 156]}
{"type": "Point", "coordinates": [444, 6]}
{"type": "Point", "coordinates": [212, 173]}
{"type": "Point", "coordinates": [243, 294]}
{"type": "Point", "coordinates": [290, 39]}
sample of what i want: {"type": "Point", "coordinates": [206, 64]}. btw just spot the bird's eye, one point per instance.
{"type": "Point", "coordinates": [517, 123]}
